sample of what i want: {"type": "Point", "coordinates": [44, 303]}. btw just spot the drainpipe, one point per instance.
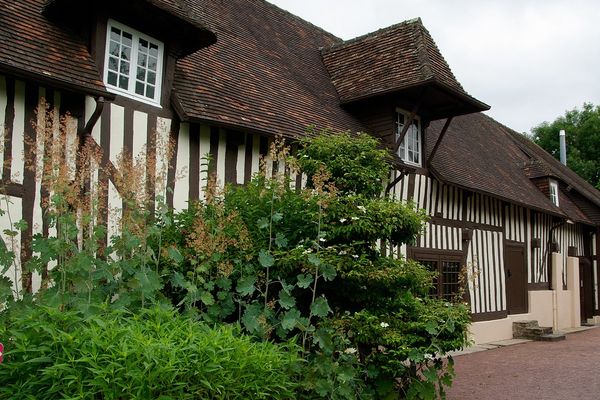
{"type": "Point", "coordinates": [563, 146]}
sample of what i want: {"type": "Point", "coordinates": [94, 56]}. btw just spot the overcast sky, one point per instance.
{"type": "Point", "coordinates": [530, 60]}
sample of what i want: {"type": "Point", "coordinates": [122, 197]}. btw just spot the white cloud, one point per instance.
{"type": "Point", "coordinates": [529, 59]}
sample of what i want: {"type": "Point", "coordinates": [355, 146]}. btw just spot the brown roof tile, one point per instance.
{"type": "Point", "coordinates": [481, 154]}
{"type": "Point", "coordinates": [552, 167]}
{"type": "Point", "coordinates": [265, 73]}
{"type": "Point", "coordinates": [388, 60]}
{"type": "Point", "coordinates": [30, 45]}
{"type": "Point", "coordinates": [478, 153]}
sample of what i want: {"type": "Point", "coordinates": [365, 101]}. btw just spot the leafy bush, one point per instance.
{"type": "Point", "coordinates": [284, 264]}
{"type": "Point", "coordinates": [148, 355]}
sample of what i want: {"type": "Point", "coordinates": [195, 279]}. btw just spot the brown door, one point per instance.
{"type": "Point", "coordinates": [586, 288]}
{"type": "Point", "coordinates": [516, 279]}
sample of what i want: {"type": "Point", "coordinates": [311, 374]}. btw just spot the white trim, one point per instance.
{"type": "Point", "coordinates": [130, 92]}
{"type": "Point", "coordinates": [553, 191]}
{"type": "Point", "coordinates": [416, 120]}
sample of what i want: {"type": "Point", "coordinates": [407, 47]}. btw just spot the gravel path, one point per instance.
{"type": "Point", "coordinates": [564, 370]}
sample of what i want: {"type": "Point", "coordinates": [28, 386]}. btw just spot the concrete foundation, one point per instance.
{"type": "Point", "coordinates": [557, 308]}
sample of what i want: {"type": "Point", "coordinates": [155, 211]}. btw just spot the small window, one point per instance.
{"type": "Point", "coordinates": [133, 65]}
{"type": "Point", "coordinates": [554, 192]}
{"type": "Point", "coordinates": [410, 148]}
{"type": "Point", "coordinates": [448, 283]}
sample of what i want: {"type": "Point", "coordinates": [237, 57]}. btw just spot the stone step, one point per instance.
{"type": "Point", "coordinates": [530, 329]}
{"type": "Point", "coordinates": [552, 337]}
{"type": "Point", "coordinates": [525, 324]}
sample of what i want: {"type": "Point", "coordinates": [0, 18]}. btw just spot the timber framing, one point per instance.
{"type": "Point", "coordinates": [483, 186]}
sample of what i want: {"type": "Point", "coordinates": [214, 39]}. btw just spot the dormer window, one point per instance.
{"type": "Point", "coordinates": [554, 192]}
{"type": "Point", "coordinates": [133, 65]}
{"type": "Point", "coordinates": [410, 148]}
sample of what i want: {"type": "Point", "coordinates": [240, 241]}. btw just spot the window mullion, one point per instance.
{"type": "Point", "coordinates": [134, 62]}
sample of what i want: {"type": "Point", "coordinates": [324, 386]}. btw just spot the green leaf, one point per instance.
{"type": "Point", "coordinates": [320, 307]}
{"type": "Point", "coordinates": [263, 223]}
{"type": "Point", "coordinates": [175, 255]}
{"type": "Point", "coordinates": [285, 300]}
{"type": "Point", "coordinates": [289, 319]}
{"type": "Point", "coordinates": [323, 338]}
{"type": "Point", "coordinates": [277, 217]}
{"type": "Point", "coordinates": [178, 280]}
{"type": "Point", "coordinates": [304, 280]}
{"type": "Point", "coordinates": [265, 259]}
{"type": "Point", "coordinates": [450, 327]}
{"type": "Point", "coordinates": [329, 273]}
{"type": "Point", "coordinates": [250, 318]}
{"type": "Point", "coordinates": [223, 283]}
{"type": "Point", "coordinates": [432, 328]}
{"type": "Point", "coordinates": [245, 286]}
{"type": "Point", "coordinates": [207, 298]}
{"type": "Point", "coordinates": [5, 288]}
{"type": "Point", "coordinates": [280, 240]}
{"type": "Point", "coordinates": [314, 259]}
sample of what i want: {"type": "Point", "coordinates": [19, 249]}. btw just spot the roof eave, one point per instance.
{"type": "Point", "coordinates": [190, 35]}
{"type": "Point", "coordinates": [55, 82]}
{"type": "Point", "coordinates": [465, 104]}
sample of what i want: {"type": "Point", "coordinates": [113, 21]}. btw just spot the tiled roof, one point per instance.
{"type": "Point", "coordinates": [552, 167]}
{"type": "Point", "coordinates": [480, 154]}
{"type": "Point", "coordinates": [31, 45]}
{"type": "Point", "coordinates": [265, 73]}
{"type": "Point", "coordinates": [391, 59]}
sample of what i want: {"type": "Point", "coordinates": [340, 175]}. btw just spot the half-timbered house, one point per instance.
{"type": "Point", "coordinates": [225, 77]}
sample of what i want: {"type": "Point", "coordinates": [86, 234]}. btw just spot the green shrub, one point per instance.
{"type": "Point", "coordinates": [152, 354]}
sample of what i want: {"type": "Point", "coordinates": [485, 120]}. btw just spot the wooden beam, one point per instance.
{"type": "Point", "coordinates": [439, 140]}
{"type": "Point", "coordinates": [407, 125]}
{"type": "Point", "coordinates": [393, 183]}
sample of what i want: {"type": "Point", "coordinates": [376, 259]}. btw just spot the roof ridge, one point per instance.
{"type": "Point", "coordinates": [422, 53]}
{"type": "Point", "coordinates": [372, 34]}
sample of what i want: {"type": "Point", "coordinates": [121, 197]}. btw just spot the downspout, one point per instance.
{"type": "Point", "coordinates": [554, 286]}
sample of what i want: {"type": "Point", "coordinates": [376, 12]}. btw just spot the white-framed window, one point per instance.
{"type": "Point", "coordinates": [554, 192]}
{"type": "Point", "coordinates": [410, 150]}
{"type": "Point", "coordinates": [133, 63]}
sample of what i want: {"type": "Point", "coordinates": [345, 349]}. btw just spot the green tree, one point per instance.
{"type": "Point", "coordinates": [583, 140]}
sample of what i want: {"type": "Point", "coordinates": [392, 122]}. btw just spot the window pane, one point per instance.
{"type": "Point", "coordinates": [143, 45]}
{"type": "Point", "coordinates": [142, 60]}
{"type": "Point", "coordinates": [151, 78]}
{"type": "Point", "coordinates": [114, 48]}
{"type": "Point", "coordinates": [123, 82]}
{"type": "Point", "coordinates": [150, 92]}
{"type": "Point", "coordinates": [450, 279]}
{"type": "Point", "coordinates": [127, 39]}
{"type": "Point", "coordinates": [153, 50]}
{"type": "Point", "coordinates": [126, 53]}
{"type": "Point", "coordinates": [152, 62]}
{"type": "Point", "coordinates": [113, 64]}
{"type": "Point", "coordinates": [124, 68]}
{"type": "Point", "coordinates": [112, 78]}
{"type": "Point", "coordinates": [139, 88]}
{"type": "Point", "coordinates": [115, 34]}
{"type": "Point", "coordinates": [141, 74]}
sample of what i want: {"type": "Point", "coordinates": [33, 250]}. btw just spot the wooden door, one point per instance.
{"type": "Point", "coordinates": [586, 288]}
{"type": "Point", "coordinates": [515, 273]}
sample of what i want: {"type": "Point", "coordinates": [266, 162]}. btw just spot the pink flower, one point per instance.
{"type": "Point", "coordinates": [1, 353]}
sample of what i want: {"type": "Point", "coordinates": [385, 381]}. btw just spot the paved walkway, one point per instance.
{"type": "Point", "coordinates": [569, 369]}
